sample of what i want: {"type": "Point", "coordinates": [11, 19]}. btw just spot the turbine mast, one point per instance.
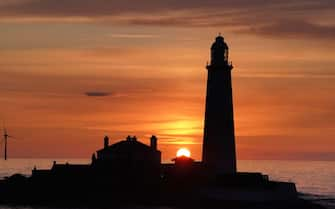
{"type": "Point", "coordinates": [5, 138]}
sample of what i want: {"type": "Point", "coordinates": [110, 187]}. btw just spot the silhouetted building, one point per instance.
{"type": "Point", "coordinates": [219, 139]}
{"type": "Point", "coordinates": [130, 151]}
{"type": "Point", "coordinates": [70, 170]}
{"type": "Point", "coordinates": [129, 161]}
{"type": "Point", "coordinates": [125, 164]}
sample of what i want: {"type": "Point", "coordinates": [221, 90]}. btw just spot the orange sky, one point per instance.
{"type": "Point", "coordinates": [149, 62]}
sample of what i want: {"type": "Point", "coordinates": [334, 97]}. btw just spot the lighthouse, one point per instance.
{"type": "Point", "coordinates": [219, 154]}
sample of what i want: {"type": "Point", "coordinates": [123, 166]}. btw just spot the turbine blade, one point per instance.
{"type": "Point", "coordinates": [15, 138]}
{"type": "Point", "coordinates": [4, 128]}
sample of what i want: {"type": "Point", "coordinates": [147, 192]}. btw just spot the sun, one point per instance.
{"type": "Point", "coordinates": [183, 152]}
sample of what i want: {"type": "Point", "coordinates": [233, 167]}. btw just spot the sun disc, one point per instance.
{"type": "Point", "coordinates": [183, 152]}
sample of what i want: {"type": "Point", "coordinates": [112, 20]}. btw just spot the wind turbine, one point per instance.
{"type": "Point", "coordinates": [5, 139]}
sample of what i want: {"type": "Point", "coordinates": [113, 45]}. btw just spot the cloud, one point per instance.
{"type": "Point", "coordinates": [97, 94]}
{"type": "Point", "coordinates": [108, 8]}
{"type": "Point", "coordinates": [132, 36]}
{"type": "Point", "coordinates": [294, 29]}
{"type": "Point", "coordinates": [303, 18]}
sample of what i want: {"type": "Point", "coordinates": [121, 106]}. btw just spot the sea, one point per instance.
{"type": "Point", "coordinates": [315, 180]}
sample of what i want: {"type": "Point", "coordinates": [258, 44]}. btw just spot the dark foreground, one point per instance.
{"type": "Point", "coordinates": [185, 204]}
{"type": "Point", "coordinates": [237, 192]}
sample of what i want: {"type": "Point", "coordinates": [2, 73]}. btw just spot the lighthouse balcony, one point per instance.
{"type": "Point", "coordinates": [225, 65]}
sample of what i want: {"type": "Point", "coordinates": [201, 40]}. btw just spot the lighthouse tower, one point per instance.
{"type": "Point", "coordinates": [219, 154]}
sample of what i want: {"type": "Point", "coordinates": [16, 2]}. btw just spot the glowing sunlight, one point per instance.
{"type": "Point", "coordinates": [183, 152]}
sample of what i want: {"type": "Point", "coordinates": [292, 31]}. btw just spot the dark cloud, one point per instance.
{"type": "Point", "coordinates": [260, 17]}
{"type": "Point", "coordinates": [103, 7]}
{"type": "Point", "coordinates": [89, 8]}
{"type": "Point", "coordinates": [97, 94]}
{"type": "Point", "coordinates": [294, 29]}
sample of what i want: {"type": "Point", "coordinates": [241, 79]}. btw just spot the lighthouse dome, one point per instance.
{"type": "Point", "coordinates": [219, 51]}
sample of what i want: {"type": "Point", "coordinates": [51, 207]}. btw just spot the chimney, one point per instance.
{"type": "Point", "coordinates": [153, 142]}
{"type": "Point", "coordinates": [106, 142]}
{"type": "Point", "coordinates": [94, 158]}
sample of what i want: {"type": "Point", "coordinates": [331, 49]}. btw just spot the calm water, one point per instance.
{"type": "Point", "coordinates": [314, 178]}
